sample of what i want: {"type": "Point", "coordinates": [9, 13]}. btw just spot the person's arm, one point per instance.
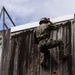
{"type": "Point", "coordinates": [54, 27]}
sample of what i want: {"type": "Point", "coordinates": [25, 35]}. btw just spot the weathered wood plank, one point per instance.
{"type": "Point", "coordinates": [72, 46]}
{"type": "Point", "coordinates": [64, 65]}
{"type": "Point", "coordinates": [5, 53]}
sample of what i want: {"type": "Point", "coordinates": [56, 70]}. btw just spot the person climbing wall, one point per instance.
{"type": "Point", "coordinates": [42, 39]}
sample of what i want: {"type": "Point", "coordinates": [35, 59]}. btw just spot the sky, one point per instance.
{"type": "Point", "coordinates": [26, 11]}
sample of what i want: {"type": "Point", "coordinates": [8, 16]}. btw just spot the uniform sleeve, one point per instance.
{"type": "Point", "coordinates": [53, 27]}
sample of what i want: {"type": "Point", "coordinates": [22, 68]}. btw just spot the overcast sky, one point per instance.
{"type": "Point", "coordinates": [26, 11]}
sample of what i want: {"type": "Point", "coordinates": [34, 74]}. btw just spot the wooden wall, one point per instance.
{"type": "Point", "coordinates": [24, 55]}
{"type": "Point", "coordinates": [1, 40]}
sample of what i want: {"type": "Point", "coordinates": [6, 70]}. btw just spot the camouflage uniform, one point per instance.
{"type": "Point", "coordinates": [42, 37]}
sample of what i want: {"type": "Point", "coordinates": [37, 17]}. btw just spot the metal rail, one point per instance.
{"type": "Point", "coordinates": [2, 14]}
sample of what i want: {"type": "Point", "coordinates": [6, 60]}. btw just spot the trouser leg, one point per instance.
{"type": "Point", "coordinates": [51, 44]}
{"type": "Point", "coordinates": [60, 44]}
{"type": "Point", "coordinates": [46, 61]}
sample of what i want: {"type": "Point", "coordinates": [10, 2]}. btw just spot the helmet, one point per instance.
{"type": "Point", "coordinates": [44, 20]}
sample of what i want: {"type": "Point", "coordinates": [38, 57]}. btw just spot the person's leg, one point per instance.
{"type": "Point", "coordinates": [52, 44]}
{"type": "Point", "coordinates": [49, 44]}
{"type": "Point", "coordinates": [60, 44]}
{"type": "Point", "coordinates": [46, 61]}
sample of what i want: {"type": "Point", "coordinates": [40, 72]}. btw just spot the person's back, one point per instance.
{"type": "Point", "coordinates": [42, 30]}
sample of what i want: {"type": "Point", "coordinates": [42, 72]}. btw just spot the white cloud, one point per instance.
{"type": "Point", "coordinates": [32, 10]}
